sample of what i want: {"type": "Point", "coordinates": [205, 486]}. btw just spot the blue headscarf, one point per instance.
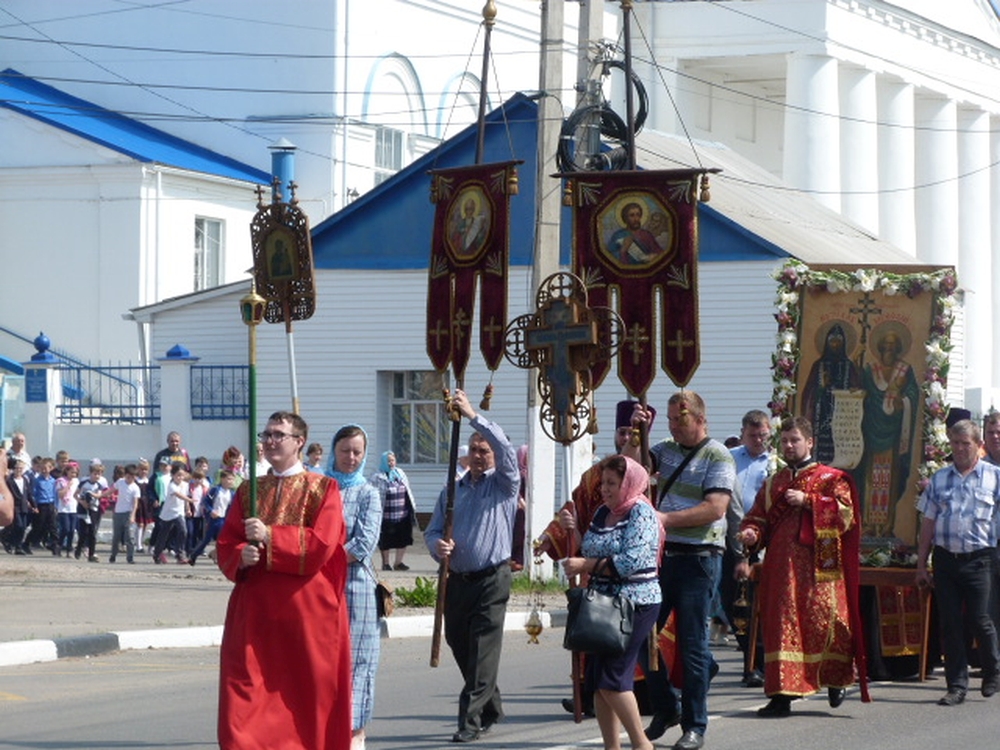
{"type": "Point", "coordinates": [393, 473]}
{"type": "Point", "coordinates": [357, 476]}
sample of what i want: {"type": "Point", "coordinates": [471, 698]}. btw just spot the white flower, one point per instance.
{"type": "Point", "coordinates": [939, 432]}
{"type": "Point", "coordinates": [832, 286]}
{"type": "Point", "coordinates": [786, 341]}
{"type": "Point", "coordinates": [936, 392]}
{"type": "Point", "coordinates": [890, 288]}
{"type": "Point", "coordinates": [866, 279]}
{"type": "Point", "coordinates": [935, 354]}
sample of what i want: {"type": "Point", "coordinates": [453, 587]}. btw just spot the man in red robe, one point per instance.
{"type": "Point", "coordinates": [807, 517]}
{"type": "Point", "coordinates": [285, 679]}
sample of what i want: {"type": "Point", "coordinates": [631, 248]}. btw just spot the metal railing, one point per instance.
{"type": "Point", "coordinates": [220, 392]}
{"type": "Point", "coordinates": [122, 394]}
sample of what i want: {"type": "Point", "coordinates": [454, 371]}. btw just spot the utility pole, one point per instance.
{"type": "Point", "coordinates": [541, 450]}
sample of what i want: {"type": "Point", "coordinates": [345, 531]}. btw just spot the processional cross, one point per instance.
{"type": "Point", "coordinates": [865, 308]}
{"type": "Point", "coordinates": [563, 338]}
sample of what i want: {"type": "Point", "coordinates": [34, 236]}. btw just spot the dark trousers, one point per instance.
{"type": "Point", "coordinates": [43, 525]}
{"type": "Point", "coordinates": [173, 533]}
{"type": "Point", "coordinates": [86, 533]}
{"type": "Point", "coordinates": [965, 581]}
{"type": "Point", "coordinates": [688, 584]}
{"type": "Point", "coordinates": [474, 610]}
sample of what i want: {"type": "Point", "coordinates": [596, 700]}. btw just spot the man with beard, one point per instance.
{"type": "Point", "coordinates": [806, 516]}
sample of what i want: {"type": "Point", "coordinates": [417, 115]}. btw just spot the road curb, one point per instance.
{"type": "Point", "coordinates": [17, 653]}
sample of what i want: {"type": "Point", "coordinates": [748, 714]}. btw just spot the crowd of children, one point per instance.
{"type": "Point", "coordinates": [179, 510]}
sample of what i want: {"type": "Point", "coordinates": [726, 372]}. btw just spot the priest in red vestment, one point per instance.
{"type": "Point", "coordinates": [807, 518]}
{"type": "Point", "coordinates": [285, 681]}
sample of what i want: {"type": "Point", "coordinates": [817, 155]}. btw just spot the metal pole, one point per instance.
{"type": "Point", "coordinates": [629, 103]}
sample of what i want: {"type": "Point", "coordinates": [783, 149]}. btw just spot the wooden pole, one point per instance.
{"type": "Point", "coordinates": [489, 20]}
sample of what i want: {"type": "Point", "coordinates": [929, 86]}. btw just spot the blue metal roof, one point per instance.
{"type": "Point", "coordinates": [390, 226]}
{"type": "Point", "coordinates": [137, 140]}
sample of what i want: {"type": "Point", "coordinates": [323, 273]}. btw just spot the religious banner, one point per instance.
{"type": "Point", "coordinates": [635, 236]}
{"type": "Point", "coordinates": [469, 245]}
{"type": "Point", "coordinates": [862, 354]}
{"type": "Point", "coordinates": [282, 260]}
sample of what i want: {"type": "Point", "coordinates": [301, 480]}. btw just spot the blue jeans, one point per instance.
{"type": "Point", "coordinates": [688, 584]}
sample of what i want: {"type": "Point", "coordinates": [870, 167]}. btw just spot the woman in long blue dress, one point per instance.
{"type": "Point", "coordinates": [363, 518]}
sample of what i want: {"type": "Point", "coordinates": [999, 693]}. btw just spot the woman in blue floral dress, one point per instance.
{"type": "Point", "coordinates": [620, 551]}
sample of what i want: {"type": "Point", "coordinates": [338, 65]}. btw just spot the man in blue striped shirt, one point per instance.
{"type": "Point", "coordinates": [479, 576]}
{"type": "Point", "coordinates": [959, 520]}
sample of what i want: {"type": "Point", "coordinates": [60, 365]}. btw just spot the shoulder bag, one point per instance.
{"type": "Point", "coordinates": [598, 623]}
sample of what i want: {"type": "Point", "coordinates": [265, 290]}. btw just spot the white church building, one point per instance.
{"type": "Point", "coordinates": [819, 112]}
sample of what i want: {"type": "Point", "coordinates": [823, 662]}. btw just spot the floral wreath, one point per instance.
{"type": "Point", "coordinates": [795, 275]}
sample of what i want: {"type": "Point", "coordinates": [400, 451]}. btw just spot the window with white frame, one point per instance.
{"type": "Point", "coordinates": [388, 153]}
{"type": "Point", "coordinates": [421, 430]}
{"type": "Point", "coordinates": [208, 241]}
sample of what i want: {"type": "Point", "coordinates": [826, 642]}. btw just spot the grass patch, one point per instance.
{"type": "Point", "coordinates": [522, 584]}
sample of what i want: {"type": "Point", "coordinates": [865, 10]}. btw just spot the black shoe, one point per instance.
{"type": "Point", "coordinates": [386, 566]}
{"type": "Point", "coordinates": [588, 711]}
{"type": "Point", "coordinates": [400, 566]}
{"type": "Point", "coordinates": [661, 723]}
{"type": "Point", "coordinates": [953, 697]}
{"type": "Point", "coordinates": [753, 680]}
{"type": "Point", "coordinates": [990, 686]}
{"type": "Point", "coordinates": [489, 723]}
{"type": "Point", "coordinates": [713, 669]}
{"type": "Point", "coordinates": [690, 740]}
{"type": "Point", "coordinates": [778, 707]}
{"type": "Point", "coordinates": [27, 550]}
{"type": "Point", "coordinates": [19, 551]}
{"type": "Point", "coordinates": [836, 696]}
{"type": "Point", "coordinates": [465, 735]}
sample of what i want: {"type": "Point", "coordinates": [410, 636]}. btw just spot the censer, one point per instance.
{"type": "Point", "coordinates": [741, 609]}
{"type": "Point", "coordinates": [533, 625]}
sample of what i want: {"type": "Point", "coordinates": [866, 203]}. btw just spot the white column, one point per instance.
{"type": "Point", "coordinates": [994, 345]}
{"type": "Point", "coordinates": [812, 127]}
{"type": "Point", "coordinates": [974, 261]}
{"type": "Point", "coordinates": [859, 147]}
{"type": "Point", "coordinates": [936, 194]}
{"type": "Point", "coordinates": [896, 164]}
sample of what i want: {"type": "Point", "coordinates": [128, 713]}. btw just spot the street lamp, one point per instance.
{"type": "Point", "coordinates": [252, 311]}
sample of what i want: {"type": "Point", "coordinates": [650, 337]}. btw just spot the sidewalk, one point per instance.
{"type": "Point", "coordinates": [56, 607]}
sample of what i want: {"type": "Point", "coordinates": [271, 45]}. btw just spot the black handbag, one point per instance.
{"type": "Point", "coordinates": [598, 623]}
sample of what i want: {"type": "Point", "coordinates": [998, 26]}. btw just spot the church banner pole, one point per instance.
{"type": "Point", "coordinates": [252, 311]}
{"type": "Point", "coordinates": [489, 20]}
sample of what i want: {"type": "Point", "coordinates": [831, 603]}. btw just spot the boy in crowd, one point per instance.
{"type": "Point", "coordinates": [126, 506]}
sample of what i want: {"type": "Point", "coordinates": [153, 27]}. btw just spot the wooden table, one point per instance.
{"type": "Point", "coordinates": [869, 577]}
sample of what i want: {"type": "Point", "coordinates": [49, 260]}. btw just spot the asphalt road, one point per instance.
{"type": "Point", "coordinates": [167, 699]}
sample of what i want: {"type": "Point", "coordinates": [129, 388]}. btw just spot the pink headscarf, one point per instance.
{"type": "Point", "coordinates": [635, 485]}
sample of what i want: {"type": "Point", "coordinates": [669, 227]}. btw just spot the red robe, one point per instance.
{"type": "Point", "coordinates": [285, 679]}
{"type": "Point", "coordinates": [809, 581]}
{"type": "Point", "coordinates": [586, 500]}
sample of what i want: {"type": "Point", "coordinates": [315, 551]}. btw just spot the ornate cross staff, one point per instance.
{"type": "Point", "coordinates": [564, 339]}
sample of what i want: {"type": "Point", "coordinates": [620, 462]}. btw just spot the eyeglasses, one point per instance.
{"type": "Point", "coordinates": [276, 437]}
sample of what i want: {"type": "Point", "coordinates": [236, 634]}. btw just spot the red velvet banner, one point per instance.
{"type": "Point", "coordinates": [635, 234]}
{"type": "Point", "coordinates": [470, 242]}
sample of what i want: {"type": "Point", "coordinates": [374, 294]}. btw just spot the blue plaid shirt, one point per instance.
{"type": "Point", "coordinates": [964, 509]}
